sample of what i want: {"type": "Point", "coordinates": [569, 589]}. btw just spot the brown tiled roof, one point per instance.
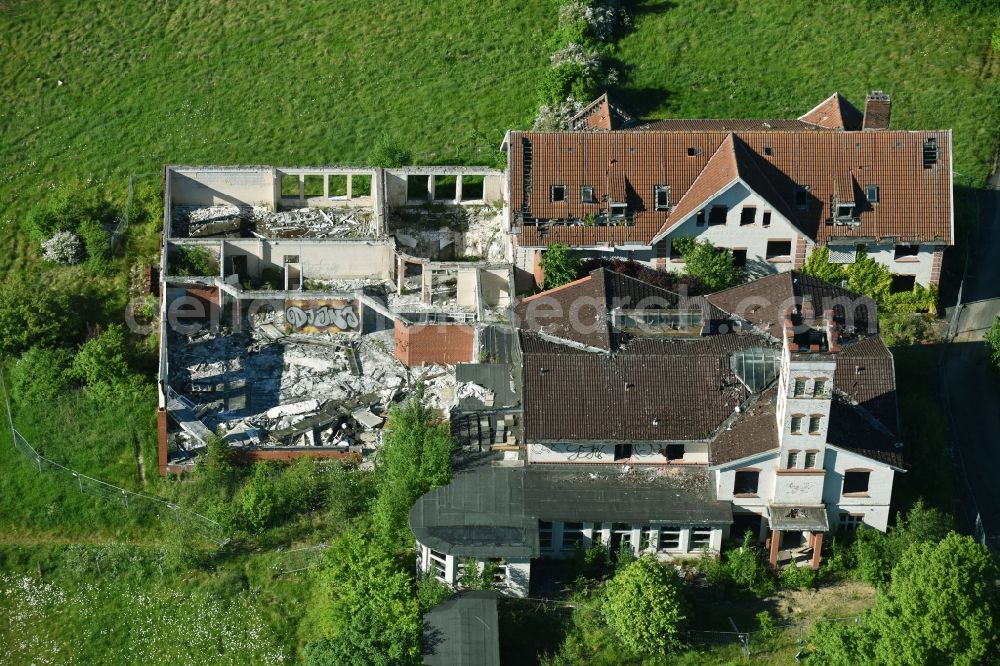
{"type": "Point", "coordinates": [754, 431]}
{"type": "Point", "coordinates": [851, 429]}
{"type": "Point", "coordinates": [877, 111]}
{"type": "Point", "coordinates": [601, 114]}
{"type": "Point", "coordinates": [418, 344]}
{"type": "Point", "coordinates": [652, 389]}
{"type": "Point", "coordinates": [764, 301]}
{"type": "Point", "coordinates": [727, 125]}
{"type": "Point", "coordinates": [580, 311]}
{"type": "Point", "coordinates": [914, 203]}
{"type": "Point", "coordinates": [865, 373]}
{"type": "Point", "coordinates": [834, 112]}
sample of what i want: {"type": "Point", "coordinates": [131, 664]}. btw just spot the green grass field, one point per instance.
{"type": "Point", "coordinates": [758, 58]}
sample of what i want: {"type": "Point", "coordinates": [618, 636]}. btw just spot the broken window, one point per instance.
{"type": "Point", "coordinates": [856, 481]}
{"type": "Point", "coordinates": [544, 535]}
{"type": "Point", "coordinates": [779, 250]}
{"type": "Point", "coordinates": [845, 211]}
{"type": "Point", "coordinates": [445, 188]}
{"type": "Point", "coordinates": [674, 452]}
{"type": "Point", "coordinates": [473, 188]}
{"type": "Point", "coordinates": [740, 257]}
{"type": "Point", "coordinates": [290, 259]}
{"type": "Point", "coordinates": [796, 426]}
{"type": "Point", "coordinates": [745, 482]}
{"type": "Point", "coordinates": [338, 186]}
{"type": "Point", "coordinates": [906, 252]}
{"type": "Point", "coordinates": [768, 151]}
{"type": "Point", "coordinates": [810, 459]}
{"type": "Point", "coordinates": [748, 214]}
{"type": "Point", "coordinates": [793, 459]}
{"type": "Point", "coordinates": [930, 152]}
{"type": "Point", "coordinates": [557, 193]}
{"type": "Point", "coordinates": [700, 218]}
{"type": "Point", "coordinates": [438, 564]}
{"type": "Point", "coordinates": [819, 386]}
{"type": "Point", "coordinates": [718, 215]}
{"type": "Point", "coordinates": [701, 537]}
{"type": "Point", "coordinates": [289, 186]}
{"type": "Point", "coordinates": [662, 196]}
{"type": "Point", "coordinates": [800, 387]}
{"type": "Point", "coordinates": [572, 536]}
{"type": "Point", "coordinates": [361, 186]}
{"type": "Point", "coordinates": [849, 522]}
{"type": "Point", "coordinates": [416, 188]}
{"type": "Point", "coordinates": [802, 197]}
{"type": "Point", "coordinates": [669, 537]}
{"type": "Point", "coordinates": [871, 193]}
{"type": "Point", "coordinates": [765, 220]}
{"type": "Point", "coordinates": [902, 284]}
{"type": "Point", "coordinates": [623, 451]}
{"type": "Point", "coordinates": [814, 424]}
{"type": "Point", "coordinates": [587, 195]}
{"type": "Point", "coordinates": [313, 186]}
{"type": "Point", "coordinates": [617, 209]}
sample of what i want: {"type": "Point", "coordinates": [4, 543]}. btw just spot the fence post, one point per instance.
{"type": "Point", "coordinates": [79, 481]}
{"type": "Point", "coordinates": [125, 497]}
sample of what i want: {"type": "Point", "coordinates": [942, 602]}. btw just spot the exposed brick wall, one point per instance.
{"type": "Point", "coordinates": [538, 272]}
{"type": "Point", "coordinates": [800, 252]}
{"type": "Point", "coordinates": [161, 439]}
{"type": "Point", "coordinates": [936, 265]}
{"type": "Point", "coordinates": [285, 455]}
{"type": "Point", "coordinates": [208, 297]}
{"type": "Point", "coordinates": [434, 343]}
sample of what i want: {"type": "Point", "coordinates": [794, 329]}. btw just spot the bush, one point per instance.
{"type": "Point", "coordinates": [712, 266]}
{"type": "Point", "coordinates": [746, 569]}
{"type": "Point", "coordinates": [797, 578]}
{"type": "Point", "coordinates": [902, 328]}
{"type": "Point", "coordinates": [993, 340]}
{"type": "Point", "coordinates": [36, 314]}
{"type": "Point", "coordinates": [259, 502]}
{"type": "Point", "coordinates": [41, 375]}
{"type": "Point", "coordinates": [559, 267]}
{"type": "Point", "coordinates": [97, 242]}
{"type": "Point", "coordinates": [642, 605]}
{"type": "Point", "coordinates": [64, 247]}
{"type": "Point", "coordinates": [876, 553]}
{"type": "Point", "coordinates": [192, 260]}
{"type": "Point", "coordinates": [103, 358]}
{"type": "Point", "coordinates": [65, 209]}
{"type": "Point", "coordinates": [388, 152]}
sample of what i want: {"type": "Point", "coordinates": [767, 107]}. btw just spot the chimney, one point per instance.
{"type": "Point", "coordinates": [878, 107]}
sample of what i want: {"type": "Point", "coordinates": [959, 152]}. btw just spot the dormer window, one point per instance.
{"type": "Point", "coordinates": [557, 193]}
{"type": "Point", "coordinates": [845, 211]}
{"type": "Point", "coordinates": [587, 195]}
{"type": "Point", "coordinates": [661, 194]}
{"type": "Point", "coordinates": [617, 209]}
{"type": "Point", "coordinates": [871, 193]}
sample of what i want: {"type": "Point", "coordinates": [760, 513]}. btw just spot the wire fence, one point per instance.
{"type": "Point", "coordinates": [781, 636]}
{"type": "Point", "coordinates": [129, 499]}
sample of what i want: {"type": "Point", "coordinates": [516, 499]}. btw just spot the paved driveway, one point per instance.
{"type": "Point", "coordinates": [970, 383]}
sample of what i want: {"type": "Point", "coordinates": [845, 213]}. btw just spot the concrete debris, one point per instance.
{"type": "Point", "coordinates": [366, 418]}
{"type": "Point", "coordinates": [250, 221]}
{"type": "Point", "coordinates": [471, 390]}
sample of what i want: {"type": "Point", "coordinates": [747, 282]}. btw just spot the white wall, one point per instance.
{"type": "Point", "coordinates": [875, 503]}
{"type": "Point", "coordinates": [642, 452]}
{"type": "Point", "coordinates": [725, 477]}
{"type": "Point", "coordinates": [753, 237]}
{"type": "Point", "coordinates": [320, 259]}
{"type": "Point", "coordinates": [919, 266]}
{"type": "Point", "coordinates": [211, 186]}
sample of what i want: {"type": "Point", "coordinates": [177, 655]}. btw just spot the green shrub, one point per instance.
{"type": "Point", "coordinates": [902, 328]}
{"type": "Point", "coordinates": [559, 267]}
{"type": "Point", "coordinates": [644, 608]}
{"type": "Point", "coordinates": [713, 266]}
{"type": "Point", "coordinates": [41, 375]}
{"type": "Point", "coordinates": [797, 578]}
{"type": "Point", "coordinates": [747, 570]}
{"type": "Point", "coordinates": [259, 502]}
{"type": "Point", "coordinates": [993, 340]}
{"type": "Point", "coordinates": [97, 242]}
{"type": "Point", "coordinates": [388, 152]}
{"type": "Point", "coordinates": [35, 314]}
{"type": "Point", "coordinates": [193, 260]}
{"type": "Point", "coordinates": [65, 209]}
{"type": "Point", "coordinates": [766, 626]}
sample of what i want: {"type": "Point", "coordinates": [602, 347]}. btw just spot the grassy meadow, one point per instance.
{"type": "Point", "coordinates": [95, 91]}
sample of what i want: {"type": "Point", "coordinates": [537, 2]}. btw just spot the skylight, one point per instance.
{"type": "Point", "coordinates": [756, 367]}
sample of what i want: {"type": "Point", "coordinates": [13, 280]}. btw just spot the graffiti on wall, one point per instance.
{"type": "Point", "coordinates": [325, 315]}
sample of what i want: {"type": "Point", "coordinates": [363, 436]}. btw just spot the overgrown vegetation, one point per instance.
{"type": "Point", "coordinates": [714, 267]}
{"type": "Point", "coordinates": [559, 266]}
{"type": "Point", "coordinates": [992, 337]}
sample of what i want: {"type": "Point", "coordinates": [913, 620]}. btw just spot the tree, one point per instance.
{"type": "Point", "coordinates": [558, 266]}
{"type": "Point", "coordinates": [876, 554]}
{"type": "Point", "coordinates": [993, 339]}
{"type": "Point", "coordinates": [939, 608]}
{"type": "Point", "coordinates": [415, 456]}
{"type": "Point", "coordinates": [103, 358]}
{"type": "Point", "coordinates": [941, 605]}
{"type": "Point", "coordinates": [360, 580]}
{"type": "Point", "coordinates": [713, 266]}
{"type": "Point", "coordinates": [41, 375]}
{"type": "Point", "coordinates": [642, 606]}
{"type": "Point", "coordinates": [33, 313]}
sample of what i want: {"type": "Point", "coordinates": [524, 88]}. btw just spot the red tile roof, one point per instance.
{"type": "Point", "coordinates": [834, 112]}
{"type": "Point", "coordinates": [878, 109]}
{"type": "Point", "coordinates": [601, 114]}
{"type": "Point", "coordinates": [418, 344]}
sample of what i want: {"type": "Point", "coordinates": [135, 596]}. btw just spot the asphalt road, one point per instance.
{"type": "Point", "coordinates": [969, 380]}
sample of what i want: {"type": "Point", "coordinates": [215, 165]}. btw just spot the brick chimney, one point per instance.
{"type": "Point", "coordinates": [878, 107]}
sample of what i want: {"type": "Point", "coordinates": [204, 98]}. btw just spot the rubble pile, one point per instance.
{"type": "Point", "coordinates": [298, 390]}
{"type": "Point", "coordinates": [319, 223]}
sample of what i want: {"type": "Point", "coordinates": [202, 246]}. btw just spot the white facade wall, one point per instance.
{"type": "Point", "coordinates": [514, 573]}
{"type": "Point", "coordinates": [320, 259]}
{"type": "Point", "coordinates": [874, 505]}
{"type": "Point", "coordinates": [645, 453]}
{"type": "Point", "coordinates": [919, 266]}
{"type": "Point", "coordinates": [217, 186]}
{"type": "Point", "coordinates": [725, 479]}
{"type": "Point", "coordinates": [752, 237]}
